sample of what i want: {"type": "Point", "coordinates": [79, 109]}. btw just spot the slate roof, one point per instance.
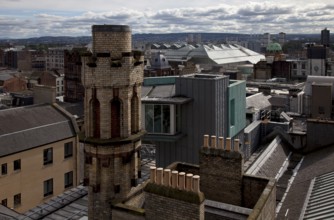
{"type": "Point", "coordinates": [314, 164]}
{"type": "Point", "coordinates": [28, 127]}
{"type": "Point", "coordinates": [269, 163]}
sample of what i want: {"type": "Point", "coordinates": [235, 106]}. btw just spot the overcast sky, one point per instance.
{"type": "Point", "coordinates": [34, 18]}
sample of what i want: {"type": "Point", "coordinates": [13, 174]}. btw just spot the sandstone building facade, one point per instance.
{"type": "Point", "coordinates": [38, 155]}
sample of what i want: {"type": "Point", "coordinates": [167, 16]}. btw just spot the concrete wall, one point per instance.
{"type": "Point", "coordinates": [319, 134]}
{"type": "Point", "coordinates": [30, 178]}
{"type": "Point", "coordinates": [321, 106]}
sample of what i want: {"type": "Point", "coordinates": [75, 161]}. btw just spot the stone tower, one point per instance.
{"type": "Point", "coordinates": [112, 77]}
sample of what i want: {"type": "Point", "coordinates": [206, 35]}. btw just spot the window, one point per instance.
{"type": "Point", "coordinates": [47, 156]}
{"type": "Point", "coordinates": [4, 202]}
{"type": "Point", "coordinates": [17, 200]}
{"type": "Point", "coordinates": [232, 113]}
{"type": "Point", "coordinates": [162, 119]}
{"type": "Point", "coordinates": [303, 66]}
{"type": "Point", "coordinates": [68, 149]}
{"type": "Point", "coordinates": [68, 179]}
{"type": "Point", "coordinates": [17, 164]}
{"type": "Point", "coordinates": [48, 187]}
{"type": "Point", "coordinates": [4, 169]}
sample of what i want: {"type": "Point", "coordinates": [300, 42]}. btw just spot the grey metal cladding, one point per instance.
{"type": "Point", "coordinates": [205, 114]}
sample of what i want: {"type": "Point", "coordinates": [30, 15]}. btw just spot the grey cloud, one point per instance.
{"type": "Point", "coordinates": [263, 9]}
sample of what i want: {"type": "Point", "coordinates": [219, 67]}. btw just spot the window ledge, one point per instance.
{"type": "Point", "coordinates": [163, 137]}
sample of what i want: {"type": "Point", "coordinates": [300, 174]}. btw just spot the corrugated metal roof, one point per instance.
{"type": "Point", "coordinates": [31, 126]}
{"type": "Point", "coordinates": [219, 54]}
{"type": "Point", "coordinates": [321, 201]}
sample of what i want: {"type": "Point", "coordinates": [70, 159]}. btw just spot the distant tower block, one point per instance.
{"type": "Point", "coordinates": [112, 77]}
{"type": "Point", "coordinates": [325, 37]}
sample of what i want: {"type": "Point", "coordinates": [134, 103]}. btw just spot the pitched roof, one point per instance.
{"type": "Point", "coordinates": [218, 54]}
{"type": "Point", "coordinates": [32, 126]}
{"type": "Point", "coordinates": [314, 164]}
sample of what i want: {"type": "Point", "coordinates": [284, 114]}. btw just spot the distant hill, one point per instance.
{"type": "Point", "coordinates": [152, 38]}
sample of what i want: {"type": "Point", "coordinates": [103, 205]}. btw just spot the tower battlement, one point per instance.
{"type": "Point", "coordinates": [112, 78]}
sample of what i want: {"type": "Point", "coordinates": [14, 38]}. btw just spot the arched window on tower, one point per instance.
{"type": "Point", "coordinates": [95, 115]}
{"type": "Point", "coordinates": [134, 113]}
{"type": "Point", "coordinates": [115, 118]}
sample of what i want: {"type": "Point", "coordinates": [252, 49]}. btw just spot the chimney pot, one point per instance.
{"type": "Point", "coordinates": [221, 143]}
{"type": "Point", "coordinates": [236, 145]}
{"type": "Point", "coordinates": [189, 182]}
{"type": "Point", "coordinates": [182, 180]}
{"type": "Point", "coordinates": [153, 174]}
{"type": "Point", "coordinates": [206, 140]}
{"type": "Point", "coordinates": [228, 144]}
{"type": "Point", "coordinates": [166, 181]}
{"type": "Point", "coordinates": [175, 178]}
{"type": "Point", "coordinates": [159, 175]}
{"type": "Point", "coordinates": [196, 179]}
{"type": "Point", "coordinates": [213, 141]}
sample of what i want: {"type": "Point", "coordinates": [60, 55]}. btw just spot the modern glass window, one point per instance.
{"type": "Point", "coordinates": [47, 156]}
{"type": "Point", "coordinates": [17, 164]}
{"type": "Point", "coordinates": [68, 149]}
{"type": "Point", "coordinates": [68, 179]}
{"type": "Point", "coordinates": [3, 169]}
{"type": "Point", "coordinates": [162, 119]}
{"type": "Point", "coordinates": [48, 187]}
{"type": "Point", "coordinates": [17, 200]}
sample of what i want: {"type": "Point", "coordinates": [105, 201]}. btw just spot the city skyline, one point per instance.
{"type": "Point", "coordinates": [22, 19]}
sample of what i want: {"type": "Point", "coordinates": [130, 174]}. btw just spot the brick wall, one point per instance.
{"type": "Point", "coordinates": [266, 203]}
{"type": "Point", "coordinates": [173, 195]}
{"type": "Point", "coordinates": [221, 175]}
{"type": "Point", "coordinates": [158, 207]}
